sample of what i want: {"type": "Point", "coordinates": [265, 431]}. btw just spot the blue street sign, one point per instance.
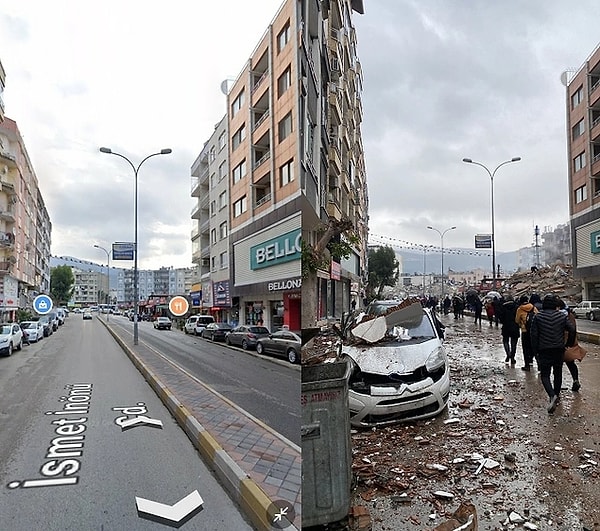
{"type": "Point", "coordinates": [42, 304]}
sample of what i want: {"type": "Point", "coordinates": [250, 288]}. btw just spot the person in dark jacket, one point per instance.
{"type": "Point", "coordinates": [510, 329]}
{"type": "Point", "coordinates": [547, 334]}
{"type": "Point", "coordinates": [477, 309]}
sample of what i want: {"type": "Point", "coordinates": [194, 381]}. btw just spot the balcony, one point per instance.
{"type": "Point", "coordinates": [5, 267]}
{"type": "Point", "coordinates": [195, 212]}
{"type": "Point", "coordinates": [7, 214]}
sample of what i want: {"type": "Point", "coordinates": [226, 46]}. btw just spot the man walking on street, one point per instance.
{"type": "Point", "coordinates": [548, 330]}
{"type": "Point", "coordinates": [525, 313]}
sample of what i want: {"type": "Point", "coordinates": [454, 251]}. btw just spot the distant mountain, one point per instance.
{"type": "Point", "coordinates": [85, 265]}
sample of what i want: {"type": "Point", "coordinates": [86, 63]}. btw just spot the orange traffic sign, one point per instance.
{"type": "Point", "coordinates": [179, 306]}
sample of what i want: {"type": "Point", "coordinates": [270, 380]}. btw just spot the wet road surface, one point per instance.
{"type": "Point", "coordinates": [544, 468]}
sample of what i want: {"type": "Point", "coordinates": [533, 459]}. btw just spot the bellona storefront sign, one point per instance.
{"type": "Point", "coordinates": [284, 248]}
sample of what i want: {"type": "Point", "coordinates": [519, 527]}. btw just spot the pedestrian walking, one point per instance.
{"type": "Point", "coordinates": [477, 309]}
{"type": "Point", "coordinates": [548, 330]}
{"type": "Point", "coordinates": [497, 303]}
{"type": "Point", "coordinates": [524, 317]}
{"type": "Point", "coordinates": [489, 311]}
{"type": "Point", "coordinates": [447, 303]}
{"type": "Point", "coordinates": [510, 329]}
{"type": "Point", "coordinates": [573, 370]}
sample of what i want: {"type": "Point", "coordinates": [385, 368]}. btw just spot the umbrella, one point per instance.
{"type": "Point", "coordinates": [492, 294]}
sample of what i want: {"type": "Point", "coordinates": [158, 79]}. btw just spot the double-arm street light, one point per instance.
{"type": "Point", "coordinates": [491, 174]}
{"type": "Point", "coordinates": [136, 169]}
{"type": "Point", "coordinates": [442, 245]}
{"type": "Point", "coordinates": [108, 271]}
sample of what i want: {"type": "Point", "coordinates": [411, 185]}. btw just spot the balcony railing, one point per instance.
{"type": "Point", "coordinates": [265, 157]}
{"type": "Point", "coordinates": [264, 199]}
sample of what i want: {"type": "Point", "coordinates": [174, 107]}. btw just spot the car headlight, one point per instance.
{"type": "Point", "coordinates": [3, 340]}
{"type": "Point", "coordinates": [436, 360]}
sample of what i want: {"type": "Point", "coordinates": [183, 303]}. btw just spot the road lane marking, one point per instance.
{"type": "Point", "coordinates": [176, 513]}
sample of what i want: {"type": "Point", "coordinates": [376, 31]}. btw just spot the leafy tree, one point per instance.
{"type": "Point", "coordinates": [62, 284]}
{"type": "Point", "coordinates": [383, 270]}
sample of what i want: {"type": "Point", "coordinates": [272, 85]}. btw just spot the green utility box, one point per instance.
{"type": "Point", "coordinates": [326, 443]}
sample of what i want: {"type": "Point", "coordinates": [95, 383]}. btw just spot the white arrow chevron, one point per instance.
{"type": "Point", "coordinates": [174, 513]}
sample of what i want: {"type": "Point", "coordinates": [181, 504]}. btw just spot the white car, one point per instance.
{"type": "Point", "coordinates": [11, 338]}
{"type": "Point", "coordinates": [33, 329]}
{"type": "Point", "coordinates": [399, 367]}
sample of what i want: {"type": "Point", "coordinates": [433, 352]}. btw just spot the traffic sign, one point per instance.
{"type": "Point", "coordinates": [179, 306]}
{"type": "Point", "coordinates": [42, 304]}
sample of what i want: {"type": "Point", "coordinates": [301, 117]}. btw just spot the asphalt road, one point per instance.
{"type": "Point", "coordinates": [84, 441]}
{"type": "Point", "coordinates": [266, 388]}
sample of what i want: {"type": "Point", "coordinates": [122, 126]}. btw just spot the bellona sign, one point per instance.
{"type": "Point", "coordinates": [284, 248]}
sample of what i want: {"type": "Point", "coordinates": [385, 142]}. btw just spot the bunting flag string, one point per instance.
{"type": "Point", "coordinates": [397, 243]}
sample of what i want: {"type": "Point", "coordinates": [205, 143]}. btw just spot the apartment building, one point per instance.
{"type": "Point", "coordinates": [583, 147]}
{"type": "Point", "coordinates": [290, 148]}
{"type": "Point", "coordinates": [25, 228]}
{"type": "Point", "coordinates": [2, 85]}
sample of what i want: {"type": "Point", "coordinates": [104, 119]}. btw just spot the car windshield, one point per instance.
{"type": "Point", "coordinates": [6, 329]}
{"type": "Point", "coordinates": [29, 325]}
{"type": "Point", "coordinates": [421, 328]}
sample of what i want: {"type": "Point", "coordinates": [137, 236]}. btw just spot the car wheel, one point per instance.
{"type": "Point", "coordinates": [244, 344]}
{"type": "Point", "coordinates": [10, 350]}
{"type": "Point", "coordinates": [292, 356]}
{"type": "Point", "coordinates": [259, 348]}
{"type": "Point", "coordinates": [592, 316]}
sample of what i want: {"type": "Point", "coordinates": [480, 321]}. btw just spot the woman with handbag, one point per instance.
{"type": "Point", "coordinates": [573, 352]}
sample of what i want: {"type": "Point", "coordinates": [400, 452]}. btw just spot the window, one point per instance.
{"type": "Point", "coordinates": [577, 98]}
{"type": "Point", "coordinates": [239, 171]}
{"type": "Point", "coordinates": [238, 137]}
{"type": "Point", "coordinates": [223, 199]}
{"type": "Point", "coordinates": [223, 259]}
{"type": "Point", "coordinates": [579, 161]}
{"type": "Point", "coordinates": [223, 230]}
{"type": "Point", "coordinates": [581, 194]}
{"type": "Point", "coordinates": [578, 129]}
{"type": "Point", "coordinates": [213, 181]}
{"type": "Point", "coordinates": [222, 140]}
{"type": "Point", "coordinates": [237, 103]}
{"type": "Point", "coordinates": [284, 37]}
{"type": "Point", "coordinates": [284, 82]}
{"type": "Point", "coordinates": [213, 236]}
{"type": "Point", "coordinates": [285, 127]}
{"type": "Point", "coordinates": [213, 153]}
{"type": "Point", "coordinates": [213, 263]}
{"type": "Point", "coordinates": [213, 208]}
{"type": "Point", "coordinates": [239, 207]}
{"type": "Point", "coordinates": [286, 173]}
{"type": "Point", "coordinates": [222, 170]}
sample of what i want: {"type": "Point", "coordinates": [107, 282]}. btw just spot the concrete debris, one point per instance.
{"type": "Point", "coordinates": [516, 518]}
{"type": "Point", "coordinates": [529, 525]}
{"type": "Point", "coordinates": [452, 421]}
{"type": "Point", "coordinates": [556, 280]}
{"type": "Point", "coordinates": [437, 466]}
{"type": "Point", "coordinates": [463, 519]}
{"type": "Point", "coordinates": [443, 495]}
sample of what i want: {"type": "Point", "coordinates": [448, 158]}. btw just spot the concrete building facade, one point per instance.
{"type": "Point", "coordinates": [583, 149]}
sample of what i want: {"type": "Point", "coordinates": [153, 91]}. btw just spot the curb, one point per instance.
{"type": "Point", "coordinates": [252, 500]}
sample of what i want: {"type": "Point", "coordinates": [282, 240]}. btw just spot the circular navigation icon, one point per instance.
{"type": "Point", "coordinates": [281, 514]}
{"type": "Point", "coordinates": [179, 306]}
{"type": "Point", "coordinates": [42, 304]}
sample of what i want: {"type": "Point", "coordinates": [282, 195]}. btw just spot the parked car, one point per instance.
{"type": "Point", "coordinates": [201, 323]}
{"type": "Point", "coordinates": [47, 324]}
{"type": "Point", "coordinates": [283, 343]}
{"type": "Point", "coordinates": [401, 374]}
{"type": "Point", "coordinates": [11, 338]}
{"type": "Point", "coordinates": [162, 323]}
{"type": "Point", "coordinates": [216, 331]}
{"type": "Point", "coordinates": [54, 320]}
{"type": "Point", "coordinates": [246, 336]}
{"type": "Point", "coordinates": [34, 330]}
{"type": "Point", "coordinates": [61, 316]}
{"type": "Point", "coordinates": [87, 314]}
{"type": "Point", "coordinates": [588, 309]}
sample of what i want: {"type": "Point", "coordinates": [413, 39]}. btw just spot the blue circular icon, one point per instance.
{"type": "Point", "coordinates": [42, 304]}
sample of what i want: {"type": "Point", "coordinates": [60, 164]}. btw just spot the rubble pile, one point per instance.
{"type": "Point", "coordinates": [557, 280]}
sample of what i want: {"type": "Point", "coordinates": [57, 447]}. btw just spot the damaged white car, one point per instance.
{"type": "Point", "coordinates": [399, 367]}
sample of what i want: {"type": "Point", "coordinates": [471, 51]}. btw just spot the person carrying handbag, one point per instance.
{"type": "Point", "coordinates": [573, 352]}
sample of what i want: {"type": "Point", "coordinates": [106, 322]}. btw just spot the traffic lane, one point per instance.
{"type": "Point", "coordinates": [263, 387]}
{"type": "Point", "coordinates": [93, 439]}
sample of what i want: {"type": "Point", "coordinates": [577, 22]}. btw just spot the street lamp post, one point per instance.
{"type": "Point", "coordinates": [136, 169]}
{"type": "Point", "coordinates": [108, 275]}
{"type": "Point", "coordinates": [442, 245]}
{"type": "Point", "coordinates": [491, 174]}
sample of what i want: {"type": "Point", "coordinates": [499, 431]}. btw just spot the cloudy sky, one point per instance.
{"type": "Point", "coordinates": [443, 80]}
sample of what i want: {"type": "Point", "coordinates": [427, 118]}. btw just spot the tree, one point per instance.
{"type": "Point", "coordinates": [335, 241]}
{"type": "Point", "coordinates": [383, 270]}
{"type": "Point", "coordinates": [62, 284]}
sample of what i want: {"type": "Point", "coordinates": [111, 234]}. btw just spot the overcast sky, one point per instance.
{"type": "Point", "coordinates": [443, 80]}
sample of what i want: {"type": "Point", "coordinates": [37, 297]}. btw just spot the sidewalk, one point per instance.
{"type": "Point", "coordinates": [257, 466]}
